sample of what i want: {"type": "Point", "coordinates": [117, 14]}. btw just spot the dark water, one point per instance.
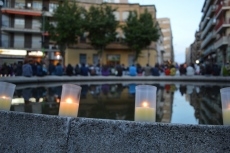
{"type": "Point", "coordinates": [184, 103]}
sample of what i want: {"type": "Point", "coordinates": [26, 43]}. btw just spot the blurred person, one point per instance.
{"type": "Point", "coordinates": [27, 69]}
{"type": "Point", "coordinates": [69, 70]}
{"type": "Point", "coordinates": [132, 70]}
{"type": "Point", "coordinates": [105, 70]}
{"type": "Point", "coordinates": [84, 70]}
{"type": "Point", "coordinates": [77, 69]}
{"type": "Point", "coordinates": [39, 69]}
{"type": "Point", "coordinates": [139, 69]}
{"type": "Point", "coordinates": [182, 69]}
{"type": "Point", "coordinates": [119, 70]}
{"type": "Point", "coordinates": [51, 68]}
{"type": "Point", "coordinates": [167, 71]}
{"type": "Point", "coordinates": [59, 70]}
{"type": "Point", "coordinates": [156, 70]}
{"type": "Point", "coordinates": [147, 70]}
{"type": "Point", "coordinates": [172, 70]}
{"type": "Point", "coordinates": [190, 70]}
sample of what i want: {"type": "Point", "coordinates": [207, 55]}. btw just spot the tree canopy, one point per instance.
{"type": "Point", "coordinates": [139, 32]}
{"type": "Point", "coordinates": [101, 25]}
{"type": "Point", "coordinates": [67, 24]}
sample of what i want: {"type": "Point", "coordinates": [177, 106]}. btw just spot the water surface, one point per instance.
{"type": "Point", "coordinates": [183, 103]}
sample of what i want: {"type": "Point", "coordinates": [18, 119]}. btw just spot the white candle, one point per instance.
{"type": "Point", "coordinates": [145, 113]}
{"type": "Point", "coordinates": [5, 103]}
{"type": "Point", "coordinates": [226, 116]}
{"type": "Point", "coordinates": [68, 108]}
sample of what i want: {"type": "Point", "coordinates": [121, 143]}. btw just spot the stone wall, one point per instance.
{"type": "Point", "coordinates": [24, 132]}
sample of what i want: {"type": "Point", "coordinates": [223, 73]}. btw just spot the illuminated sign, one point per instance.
{"type": "Point", "coordinates": [35, 53]}
{"type": "Point", "coordinates": [12, 52]}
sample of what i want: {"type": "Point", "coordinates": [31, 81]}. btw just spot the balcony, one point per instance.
{"type": "Point", "coordinates": [209, 14]}
{"type": "Point", "coordinates": [222, 25]}
{"type": "Point", "coordinates": [211, 23]}
{"type": "Point", "coordinates": [207, 3]}
{"type": "Point", "coordinates": [223, 41]}
{"type": "Point", "coordinates": [18, 11]}
{"type": "Point", "coordinates": [209, 37]}
{"type": "Point", "coordinates": [209, 50]}
{"type": "Point", "coordinates": [21, 30]}
{"type": "Point", "coordinates": [222, 7]}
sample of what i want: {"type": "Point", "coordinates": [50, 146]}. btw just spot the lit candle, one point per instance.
{"type": "Point", "coordinates": [68, 108]}
{"type": "Point", "coordinates": [145, 113]}
{"type": "Point", "coordinates": [5, 103]}
{"type": "Point", "coordinates": [226, 116]}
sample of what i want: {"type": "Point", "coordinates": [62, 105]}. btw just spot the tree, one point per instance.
{"type": "Point", "coordinates": [139, 32]}
{"type": "Point", "coordinates": [67, 25]}
{"type": "Point", "coordinates": [101, 25]}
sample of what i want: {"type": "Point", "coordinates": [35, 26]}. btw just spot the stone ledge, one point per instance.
{"type": "Point", "coordinates": [24, 132]}
{"type": "Point", "coordinates": [53, 79]}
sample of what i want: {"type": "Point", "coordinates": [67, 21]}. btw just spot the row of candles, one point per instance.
{"type": "Point", "coordinates": [145, 101]}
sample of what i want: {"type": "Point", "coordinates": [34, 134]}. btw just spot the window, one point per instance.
{"type": "Point", "coordinates": [37, 5]}
{"type": "Point", "coordinates": [52, 7]}
{"type": "Point", "coordinates": [20, 4]}
{"type": "Point", "coordinates": [19, 22]}
{"type": "Point", "coordinates": [36, 41]}
{"type": "Point", "coordinates": [117, 16]}
{"type": "Point", "coordinates": [82, 58]}
{"type": "Point", "coordinates": [125, 15]}
{"type": "Point", "coordinates": [19, 41]}
{"type": "Point", "coordinates": [166, 38]}
{"type": "Point", "coordinates": [113, 59]}
{"type": "Point", "coordinates": [36, 24]}
{"type": "Point", "coordinates": [165, 30]}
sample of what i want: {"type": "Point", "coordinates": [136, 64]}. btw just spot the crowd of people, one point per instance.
{"type": "Point", "coordinates": [30, 68]}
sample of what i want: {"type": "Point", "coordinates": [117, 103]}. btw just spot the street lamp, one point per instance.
{"type": "Point", "coordinates": [43, 31]}
{"type": "Point", "coordinates": [1, 4]}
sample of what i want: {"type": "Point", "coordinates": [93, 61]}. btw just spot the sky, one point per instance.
{"type": "Point", "coordinates": [185, 16]}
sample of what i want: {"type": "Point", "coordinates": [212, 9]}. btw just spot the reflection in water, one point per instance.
{"type": "Point", "coordinates": [176, 103]}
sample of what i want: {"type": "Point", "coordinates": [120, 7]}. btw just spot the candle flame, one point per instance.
{"type": "Point", "coordinates": [145, 104]}
{"type": "Point", "coordinates": [69, 100]}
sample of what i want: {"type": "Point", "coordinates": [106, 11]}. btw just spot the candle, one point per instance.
{"type": "Point", "coordinates": [145, 113]}
{"type": "Point", "coordinates": [226, 116]}
{"type": "Point", "coordinates": [5, 103]}
{"type": "Point", "coordinates": [68, 108]}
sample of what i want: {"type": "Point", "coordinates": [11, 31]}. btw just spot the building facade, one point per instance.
{"type": "Point", "coordinates": [195, 49]}
{"type": "Point", "coordinates": [22, 35]}
{"type": "Point", "coordinates": [166, 29]}
{"type": "Point", "coordinates": [21, 32]}
{"type": "Point", "coordinates": [215, 31]}
{"type": "Point", "coordinates": [116, 52]}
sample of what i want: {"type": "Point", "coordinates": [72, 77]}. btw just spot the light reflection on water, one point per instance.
{"type": "Point", "coordinates": [176, 103]}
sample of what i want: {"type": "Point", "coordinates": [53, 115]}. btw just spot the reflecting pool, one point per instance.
{"type": "Point", "coordinates": [183, 103]}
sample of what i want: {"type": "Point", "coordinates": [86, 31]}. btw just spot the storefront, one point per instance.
{"type": "Point", "coordinates": [35, 56]}
{"type": "Point", "coordinates": [10, 56]}
{"type": "Point", "coordinates": [55, 57]}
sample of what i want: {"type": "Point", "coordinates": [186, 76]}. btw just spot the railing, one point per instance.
{"type": "Point", "coordinates": [209, 50]}
{"type": "Point", "coordinates": [210, 23]}
{"type": "Point", "coordinates": [220, 23]}
{"type": "Point", "coordinates": [209, 37]}
{"type": "Point", "coordinates": [206, 5]}
{"type": "Point", "coordinates": [208, 14]}
{"type": "Point", "coordinates": [220, 6]}
{"type": "Point", "coordinates": [222, 41]}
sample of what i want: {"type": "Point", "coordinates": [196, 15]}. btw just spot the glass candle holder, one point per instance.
{"type": "Point", "coordinates": [225, 102]}
{"type": "Point", "coordinates": [145, 103]}
{"type": "Point", "coordinates": [70, 98]}
{"type": "Point", "coordinates": [6, 95]}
